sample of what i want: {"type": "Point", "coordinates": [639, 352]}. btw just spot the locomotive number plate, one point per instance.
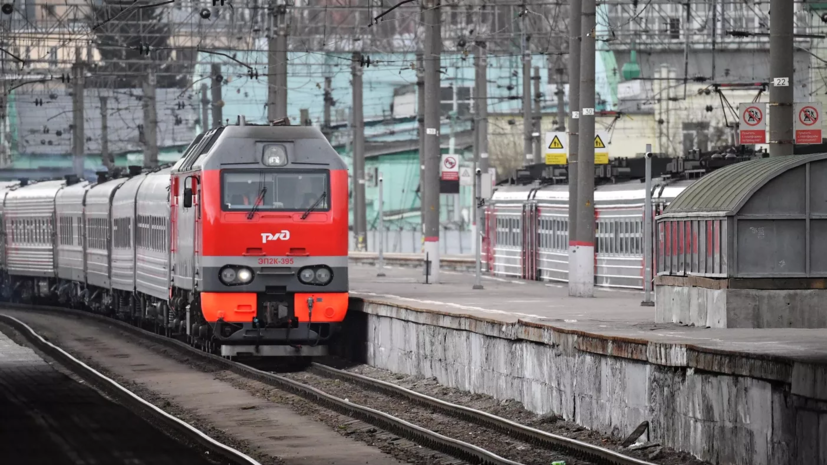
{"type": "Point", "coordinates": [275, 261]}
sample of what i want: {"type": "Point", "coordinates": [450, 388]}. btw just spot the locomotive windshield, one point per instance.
{"type": "Point", "coordinates": [283, 190]}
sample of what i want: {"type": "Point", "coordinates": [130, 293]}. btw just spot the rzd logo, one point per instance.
{"type": "Point", "coordinates": [282, 236]}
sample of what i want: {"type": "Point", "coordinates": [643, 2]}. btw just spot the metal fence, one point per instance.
{"type": "Point", "coordinates": [402, 240]}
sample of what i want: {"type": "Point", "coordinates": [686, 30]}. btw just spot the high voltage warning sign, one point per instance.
{"type": "Point", "coordinates": [601, 152]}
{"type": "Point", "coordinates": [555, 143]}
{"type": "Point", "coordinates": [556, 153]}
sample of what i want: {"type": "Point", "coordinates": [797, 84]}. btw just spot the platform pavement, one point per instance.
{"type": "Point", "coordinates": [611, 314]}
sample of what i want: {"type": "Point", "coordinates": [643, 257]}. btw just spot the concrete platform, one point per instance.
{"type": "Point", "coordinates": [754, 396]}
{"type": "Point", "coordinates": [47, 417]}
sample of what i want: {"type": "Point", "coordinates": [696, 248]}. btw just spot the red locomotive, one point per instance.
{"type": "Point", "coordinates": [240, 247]}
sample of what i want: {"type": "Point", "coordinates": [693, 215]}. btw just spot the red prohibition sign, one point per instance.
{"type": "Point", "coordinates": [808, 116]}
{"type": "Point", "coordinates": [450, 162]}
{"type": "Point", "coordinates": [753, 116]}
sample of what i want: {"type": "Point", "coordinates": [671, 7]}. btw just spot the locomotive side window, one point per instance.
{"type": "Point", "coordinates": [283, 190]}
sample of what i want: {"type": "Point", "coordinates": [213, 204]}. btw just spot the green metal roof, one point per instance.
{"type": "Point", "coordinates": [727, 190]}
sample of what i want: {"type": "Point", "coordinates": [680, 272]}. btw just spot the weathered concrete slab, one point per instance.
{"type": "Point", "coordinates": [725, 395]}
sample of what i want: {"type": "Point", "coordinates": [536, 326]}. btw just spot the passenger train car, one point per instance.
{"type": "Point", "coordinates": [527, 231]}
{"type": "Point", "coordinates": [240, 247]}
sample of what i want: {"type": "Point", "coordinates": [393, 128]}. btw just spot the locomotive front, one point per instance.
{"type": "Point", "coordinates": [268, 206]}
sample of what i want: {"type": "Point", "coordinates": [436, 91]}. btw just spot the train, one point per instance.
{"type": "Point", "coordinates": [526, 220]}
{"type": "Point", "coordinates": [239, 248]}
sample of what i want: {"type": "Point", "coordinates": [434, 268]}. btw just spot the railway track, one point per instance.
{"type": "Point", "coordinates": [572, 449]}
{"type": "Point", "coordinates": [179, 429]}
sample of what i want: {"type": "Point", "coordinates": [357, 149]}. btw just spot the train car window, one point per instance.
{"type": "Point", "coordinates": [283, 190]}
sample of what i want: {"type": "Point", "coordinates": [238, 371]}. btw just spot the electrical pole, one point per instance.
{"type": "Point", "coordinates": [527, 139]}
{"type": "Point", "coordinates": [481, 83]}
{"type": "Point", "coordinates": [420, 117]}
{"type": "Point", "coordinates": [781, 66]}
{"type": "Point", "coordinates": [107, 162]}
{"type": "Point", "coordinates": [581, 283]}
{"type": "Point", "coordinates": [328, 104]}
{"type": "Point", "coordinates": [481, 152]}
{"type": "Point", "coordinates": [5, 157]}
{"type": "Point", "coordinates": [575, 10]}
{"type": "Point", "coordinates": [205, 109]}
{"type": "Point", "coordinates": [150, 120]}
{"type": "Point", "coordinates": [78, 133]}
{"type": "Point", "coordinates": [277, 64]}
{"type": "Point", "coordinates": [433, 45]}
{"type": "Point", "coordinates": [537, 131]}
{"type": "Point", "coordinates": [217, 102]}
{"type": "Point", "coordinates": [358, 124]}
{"type": "Point", "coordinates": [561, 101]}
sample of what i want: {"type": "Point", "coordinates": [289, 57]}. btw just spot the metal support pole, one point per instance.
{"type": "Point", "coordinates": [537, 127]}
{"type": "Point", "coordinates": [561, 102]}
{"type": "Point", "coordinates": [433, 45]}
{"type": "Point", "coordinates": [714, 34]}
{"type": "Point", "coordinates": [105, 158]}
{"type": "Point", "coordinates": [328, 104]}
{"type": "Point", "coordinates": [686, 32]}
{"type": "Point", "coordinates": [78, 133]}
{"type": "Point", "coordinates": [150, 120]}
{"type": "Point", "coordinates": [581, 283]}
{"type": "Point", "coordinates": [381, 185]}
{"type": "Point", "coordinates": [478, 237]}
{"type": "Point", "coordinates": [217, 102]}
{"type": "Point", "coordinates": [781, 66]}
{"type": "Point", "coordinates": [205, 109]}
{"type": "Point", "coordinates": [527, 139]}
{"type": "Point", "coordinates": [647, 233]}
{"type": "Point", "coordinates": [452, 145]}
{"type": "Point", "coordinates": [277, 64]}
{"type": "Point", "coordinates": [481, 82]}
{"type": "Point", "coordinates": [358, 124]}
{"type": "Point", "coordinates": [574, 126]}
{"type": "Point", "coordinates": [420, 117]}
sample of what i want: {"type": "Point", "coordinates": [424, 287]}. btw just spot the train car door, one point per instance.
{"type": "Point", "coordinates": [529, 231]}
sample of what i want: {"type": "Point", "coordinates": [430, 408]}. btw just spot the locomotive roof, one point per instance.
{"type": "Point", "coordinates": [243, 145]}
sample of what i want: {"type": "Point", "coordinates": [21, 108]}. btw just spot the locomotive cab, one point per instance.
{"type": "Point", "coordinates": [259, 240]}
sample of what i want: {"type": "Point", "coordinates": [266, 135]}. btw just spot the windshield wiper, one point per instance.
{"type": "Point", "coordinates": [315, 204]}
{"type": "Point", "coordinates": [259, 201]}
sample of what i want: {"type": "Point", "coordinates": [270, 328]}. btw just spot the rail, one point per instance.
{"type": "Point", "coordinates": [569, 446]}
{"type": "Point", "coordinates": [418, 434]}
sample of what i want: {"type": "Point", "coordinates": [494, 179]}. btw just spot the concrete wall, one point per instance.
{"type": "Point", "coordinates": [741, 308]}
{"type": "Point", "coordinates": [697, 402]}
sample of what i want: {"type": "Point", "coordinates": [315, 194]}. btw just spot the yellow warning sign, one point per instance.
{"type": "Point", "coordinates": [601, 151]}
{"type": "Point", "coordinates": [555, 150]}
{"type": "Point", "coordinates": [556, 159]}
{"type": "Point", "coordinates": [555, 143]}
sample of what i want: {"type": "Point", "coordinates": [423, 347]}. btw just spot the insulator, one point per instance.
{"type": "Point", "coordinates": [205, 13]}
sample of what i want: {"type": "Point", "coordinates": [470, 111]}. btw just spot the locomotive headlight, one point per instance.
{"type": "Point", "coordinates": [274, 155]}
{"type": "Point", "coordinates": [323, 276]}
{"type": "Point", "coordinates": [234, 275]}
{"type": "Point", "coordinates": [227, 276]}
{"type": "Point", "coordinates": [245, 275]}
{"type": "Point", "coordinates": [307, 275]}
